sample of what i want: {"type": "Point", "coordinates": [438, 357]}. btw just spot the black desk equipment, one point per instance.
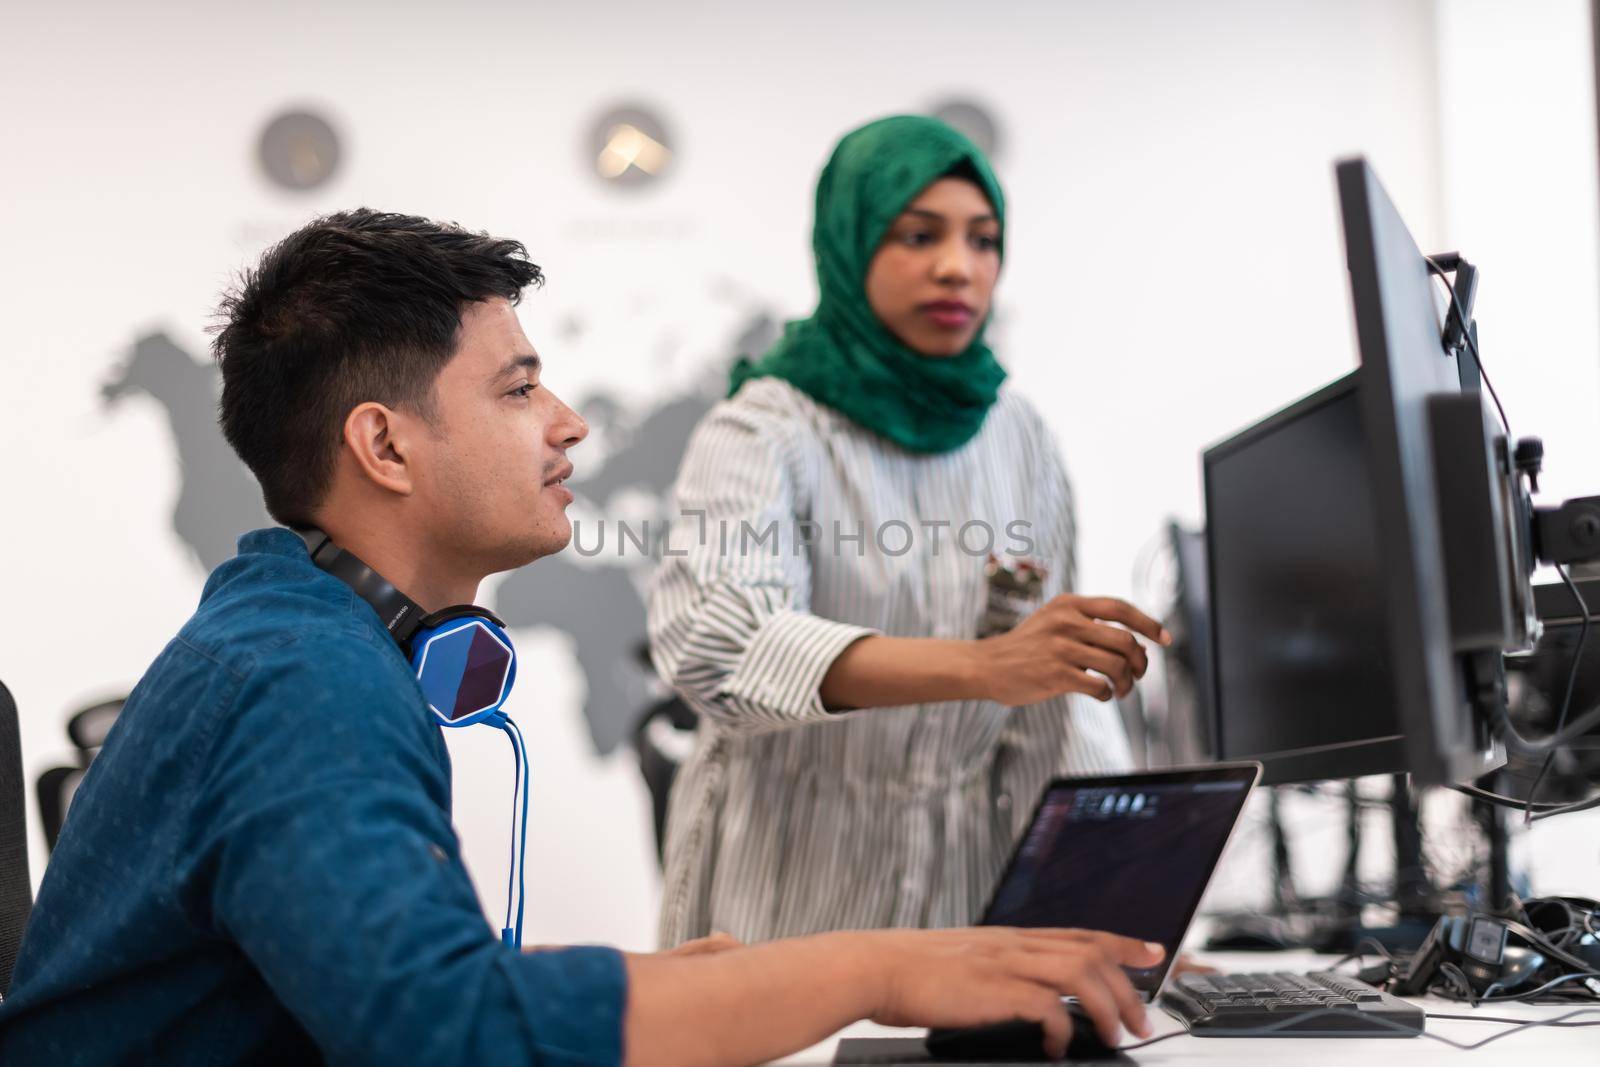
{"type": "Point", "coordinates": [1370, 552]}
{"type": "Point", "coordinates": [1319, 1004]}
{"type": "Point", "coordinates": [1018, 1042]}
{"type": "Point", "coordinates": [16, 891]}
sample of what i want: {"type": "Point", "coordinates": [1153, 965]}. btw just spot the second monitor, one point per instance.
{"type": "Point", "coordinates": [1301, 661]}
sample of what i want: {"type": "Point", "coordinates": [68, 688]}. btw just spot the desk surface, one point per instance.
{"type": "Point", "coordinates": [1544, 1046]}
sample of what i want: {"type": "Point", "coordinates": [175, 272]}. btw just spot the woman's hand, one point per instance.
{"type": "Point", "coordinates": [1053, 650]}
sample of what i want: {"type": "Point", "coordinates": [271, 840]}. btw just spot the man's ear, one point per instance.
{"type": "Point", "coordinates": [377, 439]}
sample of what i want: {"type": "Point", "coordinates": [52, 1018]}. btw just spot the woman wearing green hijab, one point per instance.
{"type": "Point", "coordinates": [867, 596]}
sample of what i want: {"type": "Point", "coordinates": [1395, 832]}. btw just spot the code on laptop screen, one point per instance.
{"type": "Point", "coordinates": [1132, 859]}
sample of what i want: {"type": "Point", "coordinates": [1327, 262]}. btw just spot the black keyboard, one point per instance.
{"type": "Point", "coordinates": [1320, 1004]}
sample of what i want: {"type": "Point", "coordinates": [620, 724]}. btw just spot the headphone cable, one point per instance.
{"type": "Point", "coordinates": [522, 847]}
{"type": "Point", "coordinates": [507, 934]}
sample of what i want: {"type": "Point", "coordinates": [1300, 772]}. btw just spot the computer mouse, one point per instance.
{"type": "Point", "coordinates": [1017, 1041]}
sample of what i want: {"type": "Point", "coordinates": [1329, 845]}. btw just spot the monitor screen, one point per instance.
{"type": "Point", "coordinates": [1299, 632]}
{"type": "Point", "coordinates": [1131, 854]}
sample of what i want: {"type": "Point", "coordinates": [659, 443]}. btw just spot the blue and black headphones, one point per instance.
{"type": "Point", "coordinates": [465, 664]}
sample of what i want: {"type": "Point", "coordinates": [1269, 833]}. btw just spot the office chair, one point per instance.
{"type": "Point", "coordinates": [16, 891]}
{"type": "Point", "coordinates": [663, 737]}
{"type": "Point", "coordinates": [87, 729]}
{"type": "Point", "coordinates": [54, 790]}
{"type": "Point", "coordinates": [662, 741]}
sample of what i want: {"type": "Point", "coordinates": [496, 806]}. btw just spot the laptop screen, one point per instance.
{"type": "Point", "coordinates": [1131, 854]}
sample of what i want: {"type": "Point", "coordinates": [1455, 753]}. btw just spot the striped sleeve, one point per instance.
{"type": "Point", "coordinates": [729, 608]}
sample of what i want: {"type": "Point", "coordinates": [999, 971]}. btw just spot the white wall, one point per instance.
{"type": "Point", "coordinates": [1175, 266]}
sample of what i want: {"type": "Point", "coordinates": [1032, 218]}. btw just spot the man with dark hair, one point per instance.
{"type": "Point", "coordinates": [260, 866]}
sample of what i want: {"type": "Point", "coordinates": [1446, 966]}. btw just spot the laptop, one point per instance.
{"type": "Point", "coordinates": [1129, 853]}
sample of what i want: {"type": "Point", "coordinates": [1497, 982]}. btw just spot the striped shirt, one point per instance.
{"type": "Point", "coordinates": [799, 532]}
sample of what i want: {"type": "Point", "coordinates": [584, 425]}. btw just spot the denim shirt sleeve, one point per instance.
{"type": "Point", "coordinates": [321, 845]}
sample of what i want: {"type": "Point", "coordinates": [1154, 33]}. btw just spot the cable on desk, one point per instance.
{"type": "Point", "coordinates": [1503, 1019]}
{"type": "Point", "coordinates": [1257, 1031]}
{"type": "Point", "coordinates": [1361, 954]}
{"type": "Point", "coordinates": [1524, 1024]}
{"type": "Point", "coordinates": [1489, 996]}
{"type": "Point", "coordinates": [1153, 1041]}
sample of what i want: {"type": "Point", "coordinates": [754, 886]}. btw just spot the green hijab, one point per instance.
{"type": "Point", "coordinates": [843, 356]}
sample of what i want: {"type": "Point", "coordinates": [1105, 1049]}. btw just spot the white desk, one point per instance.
{"type": "Point", "coordinates": [1540, 1047]}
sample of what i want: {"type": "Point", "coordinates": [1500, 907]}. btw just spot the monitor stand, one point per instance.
{"type": "Point", "coordinates": [1334, 923]}
{"type": "Point", "coordinates": [1279, 925]}
{"type": "Point", "coordinates": [1415, 898]}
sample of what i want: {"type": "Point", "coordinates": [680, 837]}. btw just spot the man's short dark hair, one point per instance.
{"type": "Point", "coordinates": [357, 306]}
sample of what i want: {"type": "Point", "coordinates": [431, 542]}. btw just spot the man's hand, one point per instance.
{"type": "Point", "coordinates": [760, 1002]}
{"type": "Point", "coordinates": [992, 974]}
{"type": "Point", "coordinates": [1187, 964]}
{"type": "Point", "coordinates": [1053, 650]}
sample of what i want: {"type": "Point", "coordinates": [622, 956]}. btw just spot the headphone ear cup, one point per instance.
{"type": "Point", "coordinates": [465, 664]}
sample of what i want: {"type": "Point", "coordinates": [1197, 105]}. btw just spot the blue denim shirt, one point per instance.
{"type": "Point", "coordinates": [260, 865]}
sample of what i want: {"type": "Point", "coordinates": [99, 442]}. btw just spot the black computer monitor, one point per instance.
{"type": "Point", "coordinates": [1301, 660]}
{"type": "Point", "coordinates": [1339, 648]}
{"type": "Point", "coordinates": [1182, 734]}
{"type": "Point", "coordinates": [1452, 574]}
